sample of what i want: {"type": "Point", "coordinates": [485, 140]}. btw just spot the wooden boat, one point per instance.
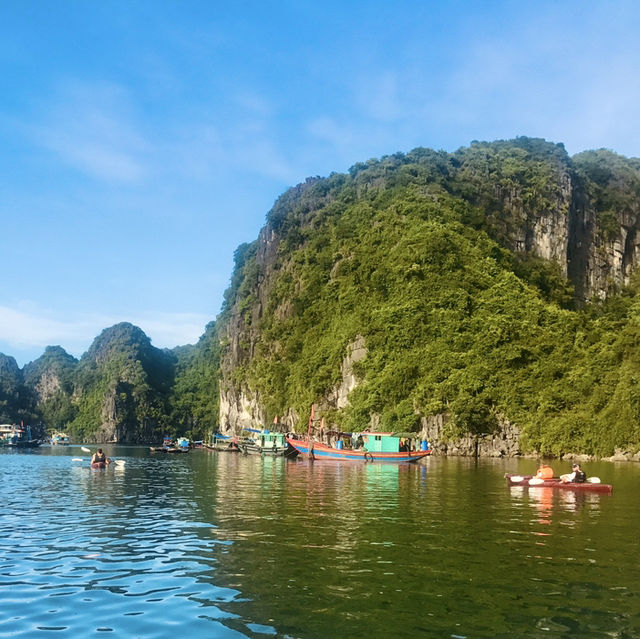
{"type": "Point", "coordinates": [223, 443]}
{"type": "Point", "coordinates": [20, 437]}
{"type": "Point", "coordinates": [266, 442]}
{"type": "Point", "coordinates": [530, 481]}
{"type": "Point", "coordinates": [376, 447]}
{"type": "Point", "coordinates": [59, 439]}
{"type": "Point", "coordinates": [169, 447]}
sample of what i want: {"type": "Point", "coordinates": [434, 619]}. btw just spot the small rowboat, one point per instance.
{"type": "Point", "coordinates": [533, 482]}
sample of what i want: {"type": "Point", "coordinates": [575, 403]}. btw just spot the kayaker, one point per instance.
{"type": "Point", "coordinates": [577, 475]}
{"type": "Point", "coordinates": [544, 472]}
{"type": "Point", "coordinates": [99, 457]}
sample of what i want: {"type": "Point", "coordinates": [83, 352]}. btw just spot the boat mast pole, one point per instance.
{"type": "Point", "coordinates": [309, 444]}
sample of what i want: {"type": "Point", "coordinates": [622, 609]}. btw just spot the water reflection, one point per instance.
{"type": "Point", "coordinates": [546, 501]}
{"type": "Point", "coordinates": [217, 545]}
{"type": "Point", "coordinates": [542, 499]}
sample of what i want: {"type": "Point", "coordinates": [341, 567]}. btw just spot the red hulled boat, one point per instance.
{"type": "Point", "coordinates": [530, 481]}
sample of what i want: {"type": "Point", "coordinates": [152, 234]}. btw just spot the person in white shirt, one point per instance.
{"type": "Point", "coordinates": [577, 475]}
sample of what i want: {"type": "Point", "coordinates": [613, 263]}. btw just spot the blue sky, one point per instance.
{"type": "Point", "coordinates": [143, 141]}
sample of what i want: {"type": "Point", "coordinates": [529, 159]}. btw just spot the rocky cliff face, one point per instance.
{"type": "Point", "coordinates": [597, 255]}
{"type": "Point", "coordinates": [14, 404]}
{"type": "Point", "coordinates": [504, 442]}
{"type": "Point", "coordinates": [50, 374]}
{"type": "Point", "coordinates": [603, 248]}
{"type": "Point", "coordinates": [580, 213]}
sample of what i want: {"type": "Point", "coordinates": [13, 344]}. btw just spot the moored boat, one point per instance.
{"type": "Point", "coordinates": [169, 447]}
{"type": "Point", "coordinates": [266, 442]}
{"type": "Point", "coordinates": [59, 439]}
{"type": "Point", "coordinates": [20, 437]}
{"type": "Point", "coordinates": [182, 444]}
{"type": "Point", "coordinates": [223, 443]}
{"type": "Point", "coordinates": [370, 447]}
{"type": "Point", "coordinates": [530, 481]}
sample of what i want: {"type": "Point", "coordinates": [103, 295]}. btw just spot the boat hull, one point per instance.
{"type": "Point", "coordinates": [31, 443]}
{"type": "Point", "coordinates": [322, 451]}
{"type": "Point", "coordinates": [251, 448]}
{"type": "Point", "coordinates": [523, 480]}
{"type": "Point", "coordinates": [222, 449]}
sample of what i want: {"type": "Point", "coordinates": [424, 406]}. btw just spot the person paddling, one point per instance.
{"type": "Point", "coordinates": [100, 458]}
{"type": "Point", "coordinates": [577, 475]}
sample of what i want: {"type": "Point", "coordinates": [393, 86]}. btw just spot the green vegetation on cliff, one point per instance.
{"type": "Point", "coordinates": [194, 397]}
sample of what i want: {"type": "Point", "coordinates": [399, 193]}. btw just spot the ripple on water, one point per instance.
{"type": "Point", "coordinates": [91, 561]}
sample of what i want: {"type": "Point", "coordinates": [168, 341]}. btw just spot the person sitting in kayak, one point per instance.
{"type": "Point", "coordinates": [544, 472]}
{"type": "Point", "coordinates": [577, 475]}
{"type": "Point", "coordinates": [99, 457]}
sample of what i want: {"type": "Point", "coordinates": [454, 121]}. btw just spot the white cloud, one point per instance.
{"type": "Point", "coordinates": [212, 144]}
{"type": "Point", "coordinates": [29, 327]}
{"type": "Point", "coordinates": [93, 129]}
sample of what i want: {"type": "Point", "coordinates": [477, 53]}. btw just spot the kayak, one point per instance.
{"type": "Point", "coordinates": [99, 465]}
{"type": "Point", "coordinates": [533, 482]}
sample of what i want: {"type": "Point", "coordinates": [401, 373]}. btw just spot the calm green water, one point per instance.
{"type": "Point", "coordinates": [220, 545]}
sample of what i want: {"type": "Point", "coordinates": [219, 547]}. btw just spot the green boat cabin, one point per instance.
{"type": "Point", "coordinates": [381, 442]}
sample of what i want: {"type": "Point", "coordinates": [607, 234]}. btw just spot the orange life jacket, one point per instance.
{"type": "Point", "coordinates": [545, 472]}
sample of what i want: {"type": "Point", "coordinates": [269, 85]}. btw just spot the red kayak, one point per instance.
{"type": "Point", "coordinates": [526, 480]}
{"type": "Point", "coordinates": [99, 465]}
